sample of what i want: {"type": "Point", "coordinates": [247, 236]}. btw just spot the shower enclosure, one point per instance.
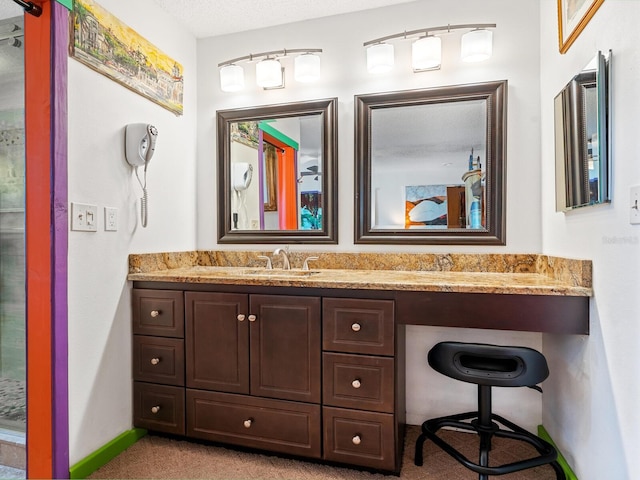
{"type": "Point", "coordinates": [12, 221]}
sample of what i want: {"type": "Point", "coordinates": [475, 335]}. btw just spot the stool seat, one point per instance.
{"type": "Point", "coordinates": [488, 366]}
{"type": "Point", "coordinates": [493, 365]}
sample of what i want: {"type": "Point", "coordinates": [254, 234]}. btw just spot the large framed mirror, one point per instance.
{"type": "Point", "coordinates": [582, 137]}
{"type": "Point", "coordinates": [277, 178]}
{"type": "Point", "coordinates": [430, 165]}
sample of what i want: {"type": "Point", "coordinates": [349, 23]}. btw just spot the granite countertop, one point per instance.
{"type": "Point", "coordinates": [523, 274]}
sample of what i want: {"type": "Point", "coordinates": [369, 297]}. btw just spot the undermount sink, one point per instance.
{"type": "Point", "coordinates": [263, 272]}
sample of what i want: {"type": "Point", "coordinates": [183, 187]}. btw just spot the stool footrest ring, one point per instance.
{"type": "Point", "coordinates": [548, 453]}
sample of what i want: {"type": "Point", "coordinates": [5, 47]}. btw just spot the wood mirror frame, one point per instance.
{"type": "Point", "coordinates": [327, 110]}
{"type": "Point", "coordinates": [583, 137]}
{"type": "Point", "coordinates": [493, 230]}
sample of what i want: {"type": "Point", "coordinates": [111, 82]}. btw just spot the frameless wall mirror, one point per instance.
{"type": "Point", "coordinates": [582, 137]}
{"type": "Point", "coordinates": [430, 165]}
{"type": "Point", "coordinates": [277, 173]}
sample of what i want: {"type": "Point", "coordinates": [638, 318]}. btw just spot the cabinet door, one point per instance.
{"type": "Point", "coordinates": [217, 341]}
{"type": "Point", "coordinates": [285, 347]}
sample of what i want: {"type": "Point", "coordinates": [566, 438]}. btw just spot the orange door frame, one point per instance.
{"type": "Point", "coordinates": [287, 183]}
{"type": "Point", "coordinates": [47, 441]}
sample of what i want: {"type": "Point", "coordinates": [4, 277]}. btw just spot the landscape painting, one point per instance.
{"type": "Point", "coordinates": [110, 47]}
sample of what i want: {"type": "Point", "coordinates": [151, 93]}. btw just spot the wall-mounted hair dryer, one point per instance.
{"type": "Point", "coordinates": [241, 174]}
{"type": "Point", "coordinates": [140, 145]}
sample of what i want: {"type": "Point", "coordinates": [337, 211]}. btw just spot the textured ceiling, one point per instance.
{"type": "Point", "coordinates": [207, 18]}
{"type": "Point", "coordinates": [9, 9]}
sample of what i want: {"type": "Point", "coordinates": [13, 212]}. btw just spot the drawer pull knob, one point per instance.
{"type": "Point", "coordinates": [155, 409]}
{"type": "Point", "coordinates": [355, 327]}
{"type": "Point", "coordinates": [241, 317]}
{"type": "Point", "coordinates": [356, 383]}
{"type": "Point", "coordinates": [247, 423]}
{"type": "Point", "coordinates": [155, 361]}
{"type": "Point", "coordinates": [252, 318]}
{"type": "Point", "coordinates": [155, 313]}
{"type": "Point", "coordinates": [356, 440]}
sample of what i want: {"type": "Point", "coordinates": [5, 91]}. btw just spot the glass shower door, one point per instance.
{"type": "Point", "coordinates": [12, 221]}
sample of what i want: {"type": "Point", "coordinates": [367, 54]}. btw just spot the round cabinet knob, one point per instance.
{"type": "Point", "coordinates": [252, 318]}
{"type": "Point", "coordinates": [355, 327]}
{"type": "Point", "coordinates": [356, 383]}
{"type": "Point", "coordinates": [155, 409]}
{"type": "Point", "coordinates": [247, 423]}
{"type": "Point", "coordinates": [356, 440]}
{"type": "Point", "coordinates": [155, 361]}
{"type": "Point", "coordinates": [241, 317]}
{"type": "Point", "coordinates": [155, 313]}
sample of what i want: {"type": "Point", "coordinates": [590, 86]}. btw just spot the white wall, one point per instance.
{"type": "Point", "coordinates": [99, 295]}
{"type": "Point", "coordinates": [591, 408]}
{"type": "Point", "coordinates": [344, 74]}
{"type": "Point", "coordinates": [515, 58]}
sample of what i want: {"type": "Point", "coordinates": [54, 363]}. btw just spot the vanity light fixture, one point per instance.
{"type": "Point", "coordinates": [426, 51]}
{"type": "Point", "coordinates": [269, 70]}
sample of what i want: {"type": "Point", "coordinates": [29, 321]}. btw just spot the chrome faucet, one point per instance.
{"type": "Point", "coordinates": [285, 257]}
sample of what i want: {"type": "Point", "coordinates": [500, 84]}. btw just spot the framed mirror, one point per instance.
{"type": "Point", "coordinates": [582, 137]}
{"type": "Point", "coordinates": [430, 165]}
{"type": "Point", "coordinates": [277, 177]}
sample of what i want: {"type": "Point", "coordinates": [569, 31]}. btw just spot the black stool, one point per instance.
{"type": "Point", "coordinates": [488, 366]}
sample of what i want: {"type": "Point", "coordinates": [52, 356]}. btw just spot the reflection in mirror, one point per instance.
{"type": "Point", "coordinates": [430, 165]}
{"type": "Point", "coordinates": [582, 137]}
{"type": "Point", "coordinates": [276, 167]}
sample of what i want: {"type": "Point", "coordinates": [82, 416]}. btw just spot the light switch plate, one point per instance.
{"type": "Point", "coordinates": [634, 204]}
{"type": "Point", "coordinates": [84, 217]}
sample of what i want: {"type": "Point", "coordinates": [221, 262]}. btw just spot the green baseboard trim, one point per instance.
{"type": "Point", "coordinates": [103, 455]}
{"type": "Point", "coordinates": [543, 434]}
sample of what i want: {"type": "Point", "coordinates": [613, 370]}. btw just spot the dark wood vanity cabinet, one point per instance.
{"type": "Point", "coordinates": [158, 360]}
{"type": "Point", "coordinates": [361, 413]}
{"type": "Point", "coordinates": [263, 347]}
{"type": "Point", "coordinates": [301, 374]}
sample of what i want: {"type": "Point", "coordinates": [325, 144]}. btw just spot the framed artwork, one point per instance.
{"type": "Point", "coordinates": [425, 206]}
{"type": "Point", "coordinates": [311, 210]}
{"type": "Point", "coordinates": [108, 46]}
{"type": "Point", "coordinates": [573, 16]}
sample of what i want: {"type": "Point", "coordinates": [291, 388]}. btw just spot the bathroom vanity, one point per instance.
{"type": "Point", "coordinates": [311, 363]}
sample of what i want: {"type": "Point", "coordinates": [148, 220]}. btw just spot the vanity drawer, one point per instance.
{"type": "Point", "coordinates": [158, 312]}
{"type": "Point", "coordinates": [358, 326]}
{"type": "Point", "coordinates": [358, 381]}
{"type": "Point", "coordinates": [360, 438]}
{"type": "Point", "coordinates": [158, 407]}
{"type": "Point", "coordinates": [275, 425]}
{"type": "Point", "coordinates": [158, 360]}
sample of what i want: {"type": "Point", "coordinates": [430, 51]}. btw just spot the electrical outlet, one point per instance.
{"type": "Point", "coordinates": [110, 219]}
{"type": "Point", "coordinates": [84, 217]}
{"type": "Point", "coordinates": [634, 215]}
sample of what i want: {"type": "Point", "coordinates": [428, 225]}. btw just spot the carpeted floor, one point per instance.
{"type": "Point", "coordinates": [155, 457]}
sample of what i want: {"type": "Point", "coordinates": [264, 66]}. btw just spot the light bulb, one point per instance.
{"type": "Point", "coordinates": [231, 78]}
{"type": "Point", "coordinates": [269, 73]}
{"type": "Point", "coordinates": [380, 58]}
{"type": "Point", "coordinates": [307, 68]}
{"type": "Point", "coordinates": [476, 45]}
{"type": "Point", "coordinates": [426, 53]}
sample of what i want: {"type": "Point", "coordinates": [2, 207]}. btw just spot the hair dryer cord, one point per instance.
{"type": "Point", "coordinates": [144, 199]}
